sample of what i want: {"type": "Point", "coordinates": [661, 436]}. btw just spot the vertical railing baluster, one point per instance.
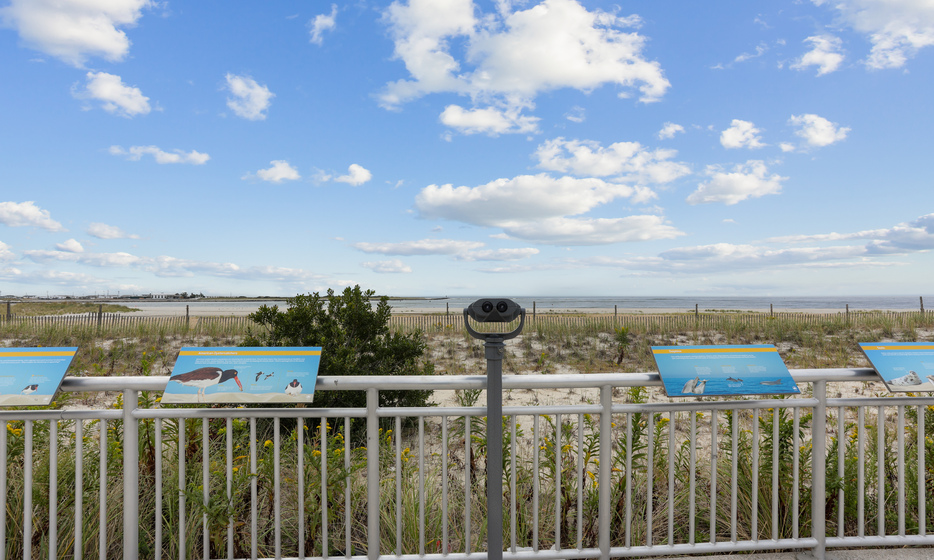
{"type": "Point", "coordinates": [102, 507]}
{"type": "Point", "coordinates": [922, 494]}
{"type": "Point", "coordinates": [158, 467]}
{"type": "Point", "coordinates": [205, 484]}
{"type": "Point", "coordinates": [819, 470]}
{"type": "Point", "coordinates": [253, 489]}
{"type": "Point", "coordinates": [468, 452]}
{"type": "Point", "coordinates": [901, 471]}
{"type": "Point", "coordinates": [841, 474]}
{"type": "Point", "coordinates": [580, 481]}
{"type": "Point", "coordinates": [606, 467]}
{"type": "Point", "coordinates": [796, 475]}
{"type": "Point", "coordinates": [692, 478]}
{"type": "Point", "coordinates": [776, 447]}
{"type": "Point", "coordinates": [230, 519]}
{"type": "Point", "coordinates": [372, 473]}
{"type": "Point", "coordinates": [650, 478]}
{"type": "Point", "coordinates": [559, 431]}
{"type": "Point", "coordinates": [79, 489]}
{"type": "Point", "coordinates": [512, 487]}
{"type": "Point", "coordinates": [130, 475]}
{"type": "Point", "coordinates": [182, 487]}
{"type": "Point", "coordinates": [324, 488]}
{"type": "Point", "coordinates": [629, 419]}
{"type": "Point", "coordinates": [444, 485]}
{"type": "Point", "coordinates": [880, 470]}
{"type": "Point", "coordinates": [398, 442]}
{"type": "Point", "coordinates": [300, 476]}
{"type": "Point", "coordinates": [27, 491]}
{"type": "Point", "coordinates": [755, 475]}
{"type": "Point", "coordinates": [277, 495]}
{"type": "Point", "coordinates": [713, 476]}
{"type": "Point", "coordinates": [348, 551]}
{"type": "Point", "coordinates": [421, 485]}
{"type": "Point", "coordinates": [734, 463]}
{"type": "Point", "coordinates": [53, 489]}
{"type": "Point", "coordinates": [860, 472]}
{"type": "Point", "coordinates": [536, 448]}
{"type": "Point", "coordinates": [4, 426]}
{"type": "Point", "coordinates": [672, 417]}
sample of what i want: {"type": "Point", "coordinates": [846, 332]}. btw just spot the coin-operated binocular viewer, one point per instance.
{"type": "Point", "coordinates": [494, 310]}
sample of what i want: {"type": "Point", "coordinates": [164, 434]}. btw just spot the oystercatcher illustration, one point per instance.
{"type": "Point", "coordinates": [293, 388]}
{"type": "Point", "coordinates": [202, 378]}
{"type": "Point", "coordinates": [30, 389]}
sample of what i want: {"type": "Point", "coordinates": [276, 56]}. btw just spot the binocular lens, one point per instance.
{"type": "Point", "coordinates": [502, 306]}
{"type": "Point", "coordinates": [487, 306]}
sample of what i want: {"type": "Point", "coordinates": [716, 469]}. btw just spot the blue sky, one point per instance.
{"type": "Point", "coordinates": [449, 147]}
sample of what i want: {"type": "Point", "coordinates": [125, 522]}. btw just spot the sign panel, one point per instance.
{"type": "Point", "coordinates": [243, 375]}
{"type": "Point", "coordinates": [693, 371]}
{"type": "Point", "coordinates": [32, 376]}
{"type": "Point", "coordinates": [903, 366]}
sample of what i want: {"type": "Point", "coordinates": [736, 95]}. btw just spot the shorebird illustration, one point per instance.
{"type": "Point", "coordinates": [258, 374]}
{"type": "Point", "coordinates": [268, 375]}
{"type": "Point", "coordinates": [293, 388]}
{"type": "Point", "coordinates": [30, 389]}
{"type": "Point", "coordinates": [202, 378]}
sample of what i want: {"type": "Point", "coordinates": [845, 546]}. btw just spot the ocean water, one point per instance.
{"type": "Point", "coordinates": [546, 303]}
{"type": "Point", "coordinates": [720, 386]}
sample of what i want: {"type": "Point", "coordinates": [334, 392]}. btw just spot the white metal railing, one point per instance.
{"type": "Point", "coordinates": [598, 479]}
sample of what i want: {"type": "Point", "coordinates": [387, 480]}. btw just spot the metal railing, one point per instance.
{"type": "Point", "coordinates": [603, 477]}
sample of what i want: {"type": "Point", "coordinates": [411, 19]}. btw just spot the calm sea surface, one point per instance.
{"type": "Point", "coordinates": [592, 304]}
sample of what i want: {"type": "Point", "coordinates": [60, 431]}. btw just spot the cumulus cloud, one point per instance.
{"type": "Point", "coordinates": [669, 130]}
{"type": "Point", "coordinates": [825, 54]}
{"type": "Point", "coordinates": [356, 175]}
{"type": "Point", "coordinates": [73, 30]}
{"type": "Point", "coordinates": [817, 131]}
{"type": "Point", "coordinates": [248, 99]}
{"type": "Point", "coordinates": [114, 96]}
{"type": "Point", "coordinates": [71, 246]}
{"type": "Point", "coordinates": [5, 253]}
{"type": "Point", "coordinates": [135, 153]}
{"type": "Point", "coordinates": [279, 170]}
{"type": "Point", "coordinates": [322, 23]}
{"type": "Point", "coordinates": [104, 231]}
{"type": "Point", "coordinates": [394, 266]}
{"type": "Point", "coordinates": [896, 30]}
{"type": "Point", "coordinates": [499, 254]}
{"type": "Point", "coordinates": [749, 180]}
{"type": "Point", "coordinates": [420, 247]}
{"type": "Point", "coordinates": [488, 120]}
{"type": "Point", "coordinates": [510, 57]}
{"type": "Point", "coordinates": [741, 134]}
{"type": "Point", "coordinates": [592, 231]}
{"type": "Point", "coordinates": [627, 161]}
{"type": "Point", "coordinates": [913, 236]}
{"type": "Point", "coordinates": [18, 214]}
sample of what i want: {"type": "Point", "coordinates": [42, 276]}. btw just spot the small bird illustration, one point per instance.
{"type": "Point", "coordinates": [268, 375]}
{"type": "Point", "coordinates": [30, 389]}
{"type": "Point", "coordinates": [293, 388]}
{"type": "Point", "coordinates": [258, 374]}
{"type": "Point", "coordinates": [202, 378]}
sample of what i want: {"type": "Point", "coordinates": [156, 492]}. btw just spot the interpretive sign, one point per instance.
{"type": "Point", "coordinates": [903, 366]}
{"type": "Point", "coordinates": [243, 375]}
{"type": "Point", "coordinates": [32, 376]}
{"type": "Point", "coordinates": [691, 371]}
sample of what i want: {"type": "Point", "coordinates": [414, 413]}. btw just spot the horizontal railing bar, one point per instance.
{"type": "Point", "coordinates": [455, 382]}
{"type": "Point", "coordinates": [52, 414]}
{"type": "Point", "coordinates": [881, 401]}
{"type": "Point", "coordinates": [146, 413]}
{"type": "Point", "coordinates": [713, 405]}
{"type": "Point", "coordinates": [876, 540]}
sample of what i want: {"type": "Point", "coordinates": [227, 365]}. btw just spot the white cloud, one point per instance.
{"type": "Point", "coordinates": [520, 199]}
{"type": "Point", "coordinates": [787, 147]}
{"type": "Point", "coordinates": [5, 253]}
{"type": "Point", "coordinates": [250, 100]}
{"type": "Point", "coordinates": [322, 23]}
{"type": "Point", "coordinates": [825, 54]}
{"type": "Point", "coordinates": [914, 236]}
{"type": "Point", "coordinates": [749, 180]}
{"type": "Point", "coordinates": [394, 266]}
{"type": "Point", "coordinates": [488, 120]}
{"type": "Point", "coordinates": [510, 57]}
{"type": "Point", "coordinates": [135, 153]}
{"type": "Point", "coordinates": [669, 130]}
{"type": "Point", "coordinates": [356, 175]}
{"type": "Point", "coordinates": [592, 231]}
{"type": "Point", "coordinates": [897, 29]}
{"type": "Point", "coordinates": [71, 246]}
{"type": "Point", "coordinates": [499, 254]}
{"type": "Point", "coordinates": [577, 114]}
{"type": "Point", "coordinates": [17, 214]}
{"type": "Point", "coordinates": [760, 50]}
{"type": "Point", "coordinates": [104, 231]}
{"type": "Point", "coordinates": [421, 247]}
{"type": "Point", "coordinates": [115, 96]}
{"type": "Point", "coordinates": [73, 30]}
{"type": "Point", "coordinates": [817, 131]}
{"type": "Point", "coordinates": [741, 134]}
{"type": "Point", "coordinates": [279, 171]}
{"type": "Point", "coordinates": [627, 161]}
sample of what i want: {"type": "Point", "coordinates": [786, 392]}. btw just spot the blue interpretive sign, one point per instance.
{"type": "Point", "coordinates": [32, 376]}
{"type": "Point", "coordinates": [903, 366]}
{"type": "Point", "coordinates": [693, 371]}
{"type": "Point", "coordinates": [243, 375]}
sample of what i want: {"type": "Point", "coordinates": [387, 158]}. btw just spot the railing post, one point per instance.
{"type": "Point", "coordinates": [819, 475]}
{"type": "Point", "coordinates": [606, 464]}
{"type": "Point", "coordinates": [130, 476]}
{"type": "Point", "coordinates": [372, 475]}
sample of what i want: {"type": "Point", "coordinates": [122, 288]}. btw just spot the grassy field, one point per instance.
{"type": "Point", "coordinates": [39, 308]}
